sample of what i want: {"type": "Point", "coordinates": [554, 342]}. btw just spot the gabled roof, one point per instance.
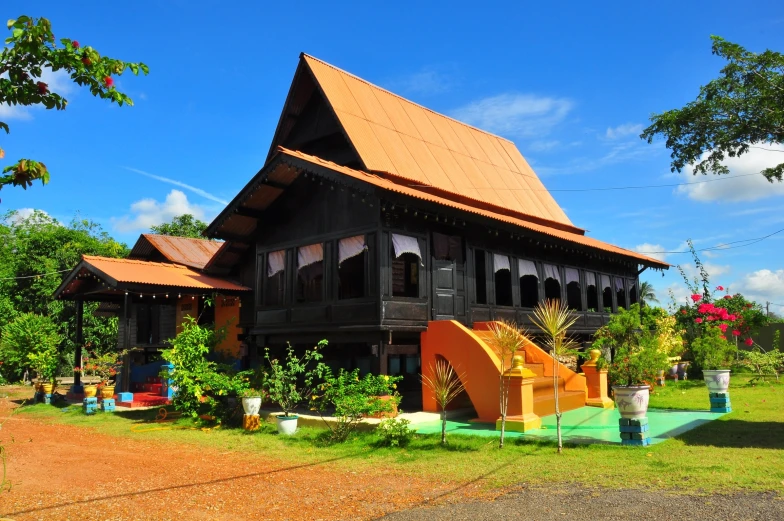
{"type": "Point", "coordinates": [394, 136]}
{"type": "Point", "coordinates": [179, 250]}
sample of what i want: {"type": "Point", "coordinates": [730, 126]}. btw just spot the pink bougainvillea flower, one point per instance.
{"type": "Point", "coordinates": [696, 297]}
{"type": "Point", "coordinates": [723, 328]}
{"type": "Point", "coordinates": [108, 81]}
{"type": "Point", "coordinates": [732, 317]}
{"type": "Point", "coordinates": [749, 342]}
{"type": "Point", "coordinates": [735, 332]}
{"type": "Point", "coordinates": [706, 307]}
{"type": "Point", "coordinates": [698, 320]}
{"type": "Point", "coordinates": [719, 288]}
{"type": "Point", "coordinates": [75, 44]}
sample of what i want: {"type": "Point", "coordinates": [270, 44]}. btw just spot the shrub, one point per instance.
{"type": "Point", "coordinates": [637, 362]}
{"type": "Point", "coordinates": [395, 432]}
{"type": "Point", "coordinates": [712, 350]}
{"type": "Point", "coordinates": [28, 334]}
{"type": "Point", "coordinates": [292, 382]}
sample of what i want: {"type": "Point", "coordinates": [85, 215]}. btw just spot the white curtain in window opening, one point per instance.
{"type": "Point", "coordinates": [501, 262]}
{"type": "Point", "coordinates": [572, 275]}
{"type": "Point", "coordinates": [405, 244]}
{"type": "Point", "coordinates": [526, 267]}
{"type": "Point", "coordinates": [551, 272]}
{"type": "Point", "coordinates": [590, 279]}
{"type": "Point", "coordinates": [307, 255]}
{"type": "Point", "coordinates": [618, 284]}
{"type": "Point", "coordinates": [350, 247]}
{"type": "Point", "coordinates": [276, 261]}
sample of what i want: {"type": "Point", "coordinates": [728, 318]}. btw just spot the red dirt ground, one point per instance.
{"type": "Point", "coordinates": [68, 473]}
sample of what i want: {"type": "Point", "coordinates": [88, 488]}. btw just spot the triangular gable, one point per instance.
{"type": "Point", "coordinates": [394, 136]}
{"type": "Point", "coordinates": [187, 251]}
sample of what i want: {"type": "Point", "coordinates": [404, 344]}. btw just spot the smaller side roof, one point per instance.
{"type": "Point", "coordinates": [187, 251]}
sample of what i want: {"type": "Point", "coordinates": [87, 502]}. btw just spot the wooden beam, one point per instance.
{"type": "Point", "coordinates": [248, 212]}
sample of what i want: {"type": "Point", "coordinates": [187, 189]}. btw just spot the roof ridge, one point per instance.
{"type": "Point", "coordinates": [135, 261]}
{"type": "Point", "coordinates": [178, 237]}
{"type": "Point", "coordinates": [406, 99]}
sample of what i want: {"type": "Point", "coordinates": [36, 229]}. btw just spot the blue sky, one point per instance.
{"type": "Point", "coordinates": [572, 86]}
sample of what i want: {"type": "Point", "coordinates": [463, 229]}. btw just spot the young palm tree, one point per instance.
{"type": "Point", "coordinates": [506, 340]}
{"type": "Point", "coordinates": [445, 385]}
{"type": "Point", "coordinates": [647, 293]}
{"type": "Point", "coordinates": [553, 318]}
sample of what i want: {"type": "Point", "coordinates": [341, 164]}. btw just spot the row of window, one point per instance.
{"type": "Point", "coordinates": [540, 280]}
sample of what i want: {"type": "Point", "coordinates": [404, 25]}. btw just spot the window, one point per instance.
{"type": "Point", "coordinates": [406, 258]}
{"type": "Point", "coordinates": [633, 297]}
{"type": "Point", "coordinates": [274, 289]}
{"type": "Point", "coordinates": [620, 293]}
{"type": "Point", "coordinates": [529, 283]}
{"type": "Point", "coordinates": [552, 282]}
{"type": "Point", "coordinates": [480, 276]}
{"type": "Point", "coordinates": [448, 247]}
{"type": "Point", "coordinates": [503, 280]}
{"type": "Point", "coordinates": [574, 294]}
{"type": "Point", "coordinates": [352, 257]}
{"type": "Point", "coordinates": [591, 291]}
{"type": "Point", "coordinates": [607, 292]}
{"type": "Point", "coordinates": [310, 273]}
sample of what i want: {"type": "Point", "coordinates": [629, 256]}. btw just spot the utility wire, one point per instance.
{"type": "Point", "coordinates": [35, 276]}
{"type": "Point", "coordinates": [722, 246]}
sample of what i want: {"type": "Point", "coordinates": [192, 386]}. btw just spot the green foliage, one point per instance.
{"type": "Point", "coordinates": [105, 365]}
{"type": "Point", "coordinates": [637, 362]}
{"type": "Point", "coordinates": [446, 385]}
{"type": "Point", "coordinates": [770, 363]}
{"type": "Point", "coordinates": [742, 107]}
{"type": "Point", "coordinates": [712, 350]}
{"type": "Point", "coordinates": [29, 50]}
{"type": "Point", "coordinates": [291, 382]}
{"type": "Point", "coordinates": [350, 398]}
{"type": "Point", "coordinates": [395, 432]}
{"type": "Point", "coordinates": [202, 386]}
{"type": "Point", "coordinates": [30, 340]}
{"type": "Point", "coordinates": [185, 225]}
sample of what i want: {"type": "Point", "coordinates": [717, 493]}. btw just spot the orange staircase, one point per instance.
{"type": "Point", "coordinates": [470, 354]}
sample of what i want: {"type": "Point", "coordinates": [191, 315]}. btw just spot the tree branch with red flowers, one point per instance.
{"type": "Point", "coordinates": [29, 50]}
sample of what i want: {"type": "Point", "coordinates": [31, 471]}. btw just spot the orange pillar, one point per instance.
{"type": "Point", "coordinates": [596, 394]}
{"type": "Point", "coordinates": [520, 415]}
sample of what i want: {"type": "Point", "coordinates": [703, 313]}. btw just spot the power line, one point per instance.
{"type": "Point", "coordinates": [722, 246]}
{"type": "Point", "coordinates": [34, 276]}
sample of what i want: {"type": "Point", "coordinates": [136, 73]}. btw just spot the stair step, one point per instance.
{"type": "Point", "coordinates": [567, 401]}
{"type": "Point", "coordinates": [538, 369]}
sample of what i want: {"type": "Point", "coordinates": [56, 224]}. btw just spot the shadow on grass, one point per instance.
{"type": "Point", "coordinates": [736, 434]}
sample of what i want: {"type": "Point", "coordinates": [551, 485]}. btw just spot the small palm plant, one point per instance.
{"type": "Point", "coordinates": [506, 340]}
{"type": "Point", "coordinates": [553, 318]}
{"type": "Point", "coordinates": [446, 385]}
{"type": "Point", "coordinates": [647, 294]}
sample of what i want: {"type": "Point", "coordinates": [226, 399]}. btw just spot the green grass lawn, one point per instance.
{"type": "Point", "coordinates": [743, 450]}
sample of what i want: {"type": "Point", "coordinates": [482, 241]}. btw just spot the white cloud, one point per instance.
{"type": "Point", "coordinates": [624, 130]}
{"type": "Point", "coordinates": [512, 114]}
{"type": "Point", "coordinates": [59, 82]}
{"type": "Point", "coordinates": [174, 182]}
{"type": "Point", "coordinates": [651, 250]}
{"type": "Point", "coordinates": [25, 213]}
{"type": "Point", "coordinates": [762, 285]}
{"type": "Point", "coordinates": [8, 112]}
{"type": "Point", "coordinates": [150, 212]}
{"type": "Point", "coordinates": [747, 188]}
{"type": "Point", "coordinates": [714, 270]}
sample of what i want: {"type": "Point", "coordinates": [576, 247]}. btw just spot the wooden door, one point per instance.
{"type": "Point", "coordinates": [445, 290]}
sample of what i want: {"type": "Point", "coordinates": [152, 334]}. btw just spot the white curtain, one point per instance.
{"type": "Point", "coordinates": [307, 255]}
{"type": "Point", "coordinates": [590, 279]}
{"type": "Point", "coordinates": [526, 267]}
{"type": "Point", "coordinates": [618, 284]}
{"type": "Point", "coordinates": [551, 272]}
{"type": "Point", "coordinates": [405, 244]}
{"type": "Point", "coordinates": [350, 247]}
{"type": "Point", "coordinates": [276, 261]}
{"type": "Point", "coordinates": [572, 275]}
{"type": "Point", "coordinates": [501, 262]}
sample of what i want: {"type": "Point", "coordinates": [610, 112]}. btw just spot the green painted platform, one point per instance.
{"type": "Point", "coordinates": [585, 425]}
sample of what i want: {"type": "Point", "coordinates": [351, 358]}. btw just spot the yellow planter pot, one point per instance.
{"type": "Point", "coordinates": [90, 391]}
{"type": "Point", "coordinates": [107, 391]}
{"type": "Point", "coordinates": [47, 388]}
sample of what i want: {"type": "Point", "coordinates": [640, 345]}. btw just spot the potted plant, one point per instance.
{"type": "Point", "coordinates": [251, 401]}
{"type": "Point", "coordinates": [45, 363]}
{"type": "Point", "coordinates": [634, 368]}
{"type": "Point", "coordinates": [291, 382]}
{"type": "Point", "coordinates": [105, 367]}
{"type": "Point", "coordinates": [714, 353]}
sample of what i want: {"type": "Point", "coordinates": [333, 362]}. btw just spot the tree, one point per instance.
{"type": "Point", "coordinates": [185, 225]}
{"type": "Point", "coordinates": [647, 293]}
{"type": "Point", "coordinates": [554, 319]}
{"type": "Point", "coordinates": [740, 109]}
{"type": "Point", "coordinates": [29, 50]}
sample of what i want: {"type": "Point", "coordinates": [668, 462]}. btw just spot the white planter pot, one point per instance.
{"type": "Point", "coordinates": [251, 404]}
{"type": "Point", "coordinates": [287, 424]}
{"type": "Point", "coordinates": [717, 380]}
{"type": "Point", "coordinates": [632, 401]}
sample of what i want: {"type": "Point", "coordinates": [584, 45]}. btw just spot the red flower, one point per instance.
{"type": "Point", "coordinates": [696, 297]}
{"type": "Point", "coordinates": [43, 88]}
{"type": "Point", "coordinates": [699, 320]}
{"type": "Point", "coordinates": [748, 305]}
{"type": "Point", "coordinates": [723, 328]}
{"type": "Point", "coordinates": [749, 342]}
{"type": "Point", "coordinates": [87, 61]}
{"type": "Point", "coordinates": [719, 288]}
{"type": "Point", "coordinates": [108, 81]}
{"type": "Point", "coordinates": [723, 337]}
{"type": "Point", "coordinates": [683, 312]}
{"type": "Point", "coordinates": [732, 318]}
{"type": "Point", "coordinates": [727, 297]}
{"type": "Point", "coordinates": [75, 44]}
{"type": "Point", "coordinates": [735, 332]}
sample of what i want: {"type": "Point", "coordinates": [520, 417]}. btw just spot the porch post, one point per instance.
{"type": "Point", "coordinates": [126, 343]}
{"type": "Point", "coordinates": [77, 383]}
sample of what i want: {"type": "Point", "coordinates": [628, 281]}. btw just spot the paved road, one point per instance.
{"type": "Point", "coordinates": [583, 504]}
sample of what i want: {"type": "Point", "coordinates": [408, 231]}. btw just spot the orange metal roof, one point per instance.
{"type": "Point", "coordinates": [181, 250]}
{"type": "Point", "coordinates": [395, 136]}
{"type": "Point", "coordinates": [547, 230]}
{"type": "Point", "coordinates": [158, 274]}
